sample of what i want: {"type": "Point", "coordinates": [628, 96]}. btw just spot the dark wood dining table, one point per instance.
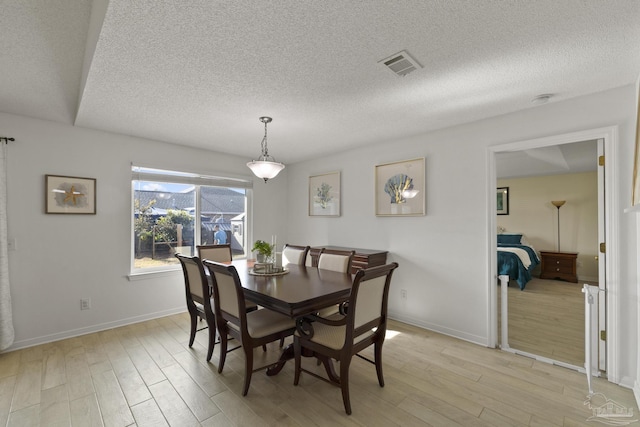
{"type": "Point", "coordinates": [302, 290]}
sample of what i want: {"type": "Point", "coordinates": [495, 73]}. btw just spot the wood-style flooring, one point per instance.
{"type": "Point", "coordinates": [146, 375]}
{"type": "Point", "coordinates": [547, 319]}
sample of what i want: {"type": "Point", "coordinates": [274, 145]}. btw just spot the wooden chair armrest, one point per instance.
{"type": "Point", "coordinates": [304, 325]}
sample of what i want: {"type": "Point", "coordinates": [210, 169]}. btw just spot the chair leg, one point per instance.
{"type": "Point", "coordinates": [223, 347]}
{"type": "Point", "coordinates": [248, 368]}
{"type": "Point", "coordinates": [281, 342]}
{"type": "Point", "coordinates": [212, 338]}
{"type": "Point", "coordinates": [194, 325]}
{"type": "Point", "coordinates": [264, 347]}
{"type": "Point", "coordinates": [344, 384]}
{"type": "Point", "coordinates": [298, 355]}
{"type": "Point", "coordinates": [378, 359]}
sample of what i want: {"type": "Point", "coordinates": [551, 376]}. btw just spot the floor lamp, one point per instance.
{"type": "Point", "coordinates": [557, 204]}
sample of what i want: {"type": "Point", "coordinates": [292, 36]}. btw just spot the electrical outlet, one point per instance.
{"type": "Point", "coordinates": [85, 303]}
{"type": "Point", "coordinates": [403, 293]}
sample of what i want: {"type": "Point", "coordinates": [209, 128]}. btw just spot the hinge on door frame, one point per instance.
{"type": "Point", "coordinates": [603, 335]}
{"type": "Point", "coordinates": [603, 247]}
{"type": "Point", "coordinates": [600, 160]}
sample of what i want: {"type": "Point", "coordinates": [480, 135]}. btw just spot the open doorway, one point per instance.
{"type": "Point", "coordinates": [559, 151]}
{"type": "Point", "coordinates": [546, 311]}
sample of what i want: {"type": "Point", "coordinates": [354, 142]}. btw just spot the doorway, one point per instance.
{"type": "Point", "coordinates": [547, 149]}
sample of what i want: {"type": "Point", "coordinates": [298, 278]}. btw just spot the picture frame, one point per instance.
{"type": "Point", "coordinates": [324, 195]}
{"type": "Point", "coordinates": [502, 200]}
{"type": "Point", "coordinates": [400, 188]}
{"type": "Point", "coordinates": [70, 195]}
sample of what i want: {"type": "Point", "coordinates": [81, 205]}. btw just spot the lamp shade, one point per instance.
{"type": "Point", "coordinates": [558, 203]}
{"type": "Point", "coordinates": [265, 169]}
{"type": "Point", "coordinates": [266, 166]}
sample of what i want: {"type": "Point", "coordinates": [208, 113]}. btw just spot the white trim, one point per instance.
{"type": "Point", "coordinates": [610, 135]}
{"type": "Point", "coordinates": [91, 329]}
{"type": "Point", "coordinates": [455, 333]}
{"type": "Point", "coordinates": [146, 275]}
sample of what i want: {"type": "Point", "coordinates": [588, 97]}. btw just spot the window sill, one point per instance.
{"type": "Point", "coordinates": [153, 274]}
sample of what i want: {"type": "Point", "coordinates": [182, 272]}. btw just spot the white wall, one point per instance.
{"type": "Point", "coordinates": [62, 258]}
{"type": "Point", "coordinates": [443, 256]}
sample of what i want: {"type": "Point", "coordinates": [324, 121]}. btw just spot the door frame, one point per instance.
{"type": "Point", "coordinates": [610, 137]}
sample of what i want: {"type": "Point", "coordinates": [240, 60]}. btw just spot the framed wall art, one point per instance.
{"type": "Point", "coordinates": [400, 188]}
{"type": "Point", "coordinates": [502, 206]}
{"type": "Point", "coordinates": [70, 195]}
{"type": "Point", "coordinates": [324, 194]}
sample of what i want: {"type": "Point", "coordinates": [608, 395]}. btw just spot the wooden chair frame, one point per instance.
{"type": "Point", "coordinates": [304, 249]}
{"type": "Point", "coordinates": [304, 334]}
{"type": "Point", "coordinates": [203, 309]}
{"type": "Point", "coordinates": [240, 332]}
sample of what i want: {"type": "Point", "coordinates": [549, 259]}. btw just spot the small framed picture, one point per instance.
{"type": "Point", "coordinates": [324, 194]}
{"type": "Point", "coordinates": [400, 188]}
{"type": "Point", "coordinates": [70, 195]}
{"type": "Point", "coordinates": [502, 206]}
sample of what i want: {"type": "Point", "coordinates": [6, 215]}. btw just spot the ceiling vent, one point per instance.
{"type": "Point", "coordinates": [401, 63]}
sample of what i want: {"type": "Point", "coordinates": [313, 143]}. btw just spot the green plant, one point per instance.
{"type": "Point", "coordinates": [262, 247]}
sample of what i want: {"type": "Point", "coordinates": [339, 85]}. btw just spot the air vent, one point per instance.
{"type": "Point", "coordinates": [401, 63]}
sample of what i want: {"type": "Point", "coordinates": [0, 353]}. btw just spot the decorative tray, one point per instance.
{"type": "Point", "coordinates": [267, 270]}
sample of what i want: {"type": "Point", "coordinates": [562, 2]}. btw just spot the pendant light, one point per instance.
{"type": "Point", "coordinates": [266, 166]}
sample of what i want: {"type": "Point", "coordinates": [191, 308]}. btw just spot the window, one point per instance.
{"type": "Point", "coordinates": [173, 212]}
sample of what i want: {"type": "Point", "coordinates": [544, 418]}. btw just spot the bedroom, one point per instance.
{"type": "Point", "coordinates": [546, 318]}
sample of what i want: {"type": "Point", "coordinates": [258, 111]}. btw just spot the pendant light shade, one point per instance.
{"type": "Point", "coordinates": [266, 166]}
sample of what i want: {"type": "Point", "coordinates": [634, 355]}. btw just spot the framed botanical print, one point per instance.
{"type": "Point", "coordinates": [324, 194]}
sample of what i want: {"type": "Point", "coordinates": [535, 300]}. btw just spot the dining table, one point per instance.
{"type": "Point", "coordinates": [297, 291]}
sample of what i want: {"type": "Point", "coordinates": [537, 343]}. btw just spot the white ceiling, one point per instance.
{"type": "Point", "coordinates": [576, 157]}
{"type": "Point", "coordinates": [200, 73]}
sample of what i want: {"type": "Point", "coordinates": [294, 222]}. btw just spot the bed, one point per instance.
{"type": "Point", "coordinates": [516, 258]}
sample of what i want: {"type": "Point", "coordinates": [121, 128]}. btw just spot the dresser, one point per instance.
{"type": "Point", "coordinates": [363, 258]}
{"type": "Point", "coordinates": [559, 265]}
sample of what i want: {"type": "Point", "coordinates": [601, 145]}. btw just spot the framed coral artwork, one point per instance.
{"type": "Point", "coordinates": [400, 188]}
{"type": "Point", "coordinates": [324, 194]}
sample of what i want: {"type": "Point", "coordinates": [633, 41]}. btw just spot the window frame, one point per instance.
{"type": "Point", "coordinates": [145, 173]}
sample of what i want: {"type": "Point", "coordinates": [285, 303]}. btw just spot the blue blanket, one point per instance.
{"type": "Point", "coordinates": [510, 264]}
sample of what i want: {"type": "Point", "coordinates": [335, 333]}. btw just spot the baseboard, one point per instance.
{"type": "Point", "coordinates": [475, 339]}
{"type": "Point", "coordinates": [17, 345]}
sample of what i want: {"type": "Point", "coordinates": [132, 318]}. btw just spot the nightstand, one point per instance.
{"type": "Point", "coordinates": [559, 265]}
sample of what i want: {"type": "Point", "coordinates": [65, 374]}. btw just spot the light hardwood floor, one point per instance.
{"type": "Point", "coordinates": [146, 375]}
{"type": "Point", "coordinates": [547, 319]}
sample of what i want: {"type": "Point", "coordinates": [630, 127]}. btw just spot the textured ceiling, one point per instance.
{"type": "Point", "coordinates": [200, 73]}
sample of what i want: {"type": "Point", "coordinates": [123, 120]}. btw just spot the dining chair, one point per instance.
{"type": "Point", "coordinates": [309, 258]}
{"type": "Point", "coordinates": [217, 253]}
{"type": "Point", "coordinates": [334, 260]}
{"type": "Point", "coordinates": [198, 299]}
{"type": "Point", "coordinates": [220, 253]}
{"type": "Point", "coordinates": [251, 329]}
{"type": "Point", "coordinates": [343, 336]}
{"type": "Point", "coordinates": [292, 254]}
